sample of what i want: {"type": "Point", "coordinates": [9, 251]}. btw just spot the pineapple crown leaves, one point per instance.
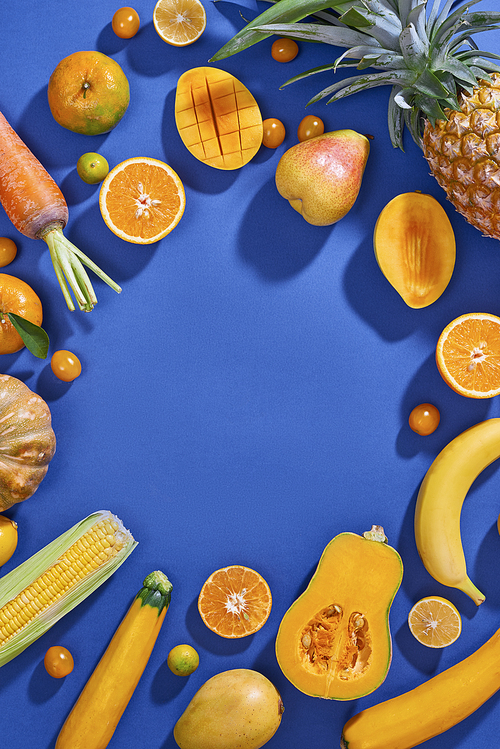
{"type": "Point", "coordinates": [424, 49]}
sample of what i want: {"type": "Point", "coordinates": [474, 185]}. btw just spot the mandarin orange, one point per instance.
{"type": "Point", "coordinates": [18, 297]}
{"type": "Point", "coordinates": [88, 93]}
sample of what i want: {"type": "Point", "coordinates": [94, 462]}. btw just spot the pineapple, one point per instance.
{"type": "Point", "coordinates": [463, 152]}
{"type": "Point", "coordinates": [444, 90]}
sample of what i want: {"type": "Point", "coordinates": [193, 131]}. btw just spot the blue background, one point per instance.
{"type": "Point", "coordinates": [246, 397]}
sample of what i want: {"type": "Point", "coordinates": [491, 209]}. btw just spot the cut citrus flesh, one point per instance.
{"type": "Point", "coordinates": [217, 117]}
{"type": "Point", "coordinates": [235, 601]}
{"type": "Point", "coordinates": [468, 355]}
{"type": "Point", "coordinates": [179, 22]}
{"type": "Point", "coordinates": [142, 200]}
{"type": "Point", "coordinates": [435, 622]}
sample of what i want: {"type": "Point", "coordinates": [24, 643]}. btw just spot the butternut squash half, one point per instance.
{"type": "Point", "coordinates": [415, 247]}
{"type": "Point", "coordinates": [334, 642]}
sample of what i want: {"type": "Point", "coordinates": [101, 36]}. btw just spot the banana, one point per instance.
{"type": "Point", "coordinates": [440, 499]}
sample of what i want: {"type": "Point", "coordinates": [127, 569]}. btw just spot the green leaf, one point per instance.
{"type": "Point", "coordinates": [395, 120]}
{"type": "Point", "coordinates": [34, 337]}
{"type": "Point", "coordinates": [285, 11]}
{"type": "Point", "coordinates": [337, 36]}
{"type": "Point", "coordinates": [354, 84]}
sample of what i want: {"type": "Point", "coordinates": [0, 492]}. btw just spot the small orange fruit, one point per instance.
{"type": "Point", "coordinates": [65, 365]}
{"type": "Point", "coordinates": [92, 168]}
{"type": "Point", "coordinates": [8, 251]}
{"type": "Point", "coordinates": [126, 22]}
{"type": "Point", "coordinates": [142, 200]}
{"type": "Point", "coordinates": [8, 538]}
{"type": "Point", "coordinates": [18, 297]}
{"type": "Point", "coordinates": [468, 355]}
{"type": "Point", "coordinates": [310, 127]}
{"type": "Point", "coordinates": [183, 660]}
{"type": "Point", "coordinates": [179, 22]}
{"type": "Point", "coordinates": [284, 50]}
{"type": "Point", "coordinates": [273, 133]}
{"type": "Point", "coordinates": [424, 419]}
{"type": "Point", "coordinates": [235, 601]}
{"type": "Point", "coordinates": [88, 93]}
{"type": "Point", "coordinates": [435, 622]}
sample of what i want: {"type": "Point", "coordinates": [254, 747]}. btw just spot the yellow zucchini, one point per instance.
{"type": "Point", "coordinates": [95, 715]}
{"type": "Point", "coordinates": [431, 708]}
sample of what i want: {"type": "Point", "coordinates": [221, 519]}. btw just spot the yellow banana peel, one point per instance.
{"type": "Point", "coordinates": [440, 499]}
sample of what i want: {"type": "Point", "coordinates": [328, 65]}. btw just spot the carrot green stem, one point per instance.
{"type": "Point", "coordinates": [69, 262]}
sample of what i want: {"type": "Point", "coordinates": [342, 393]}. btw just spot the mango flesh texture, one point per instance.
{"type": "Point", "coordinates": [334, 641]}
{"type": "Point", "coordinates": [321, 177]}
{"type": "Point", "coordinates": [415, 247]}
{"type": "Point", "coordinates": [237, 709]}
{"type": "Point", "coordinates": [217, 117]}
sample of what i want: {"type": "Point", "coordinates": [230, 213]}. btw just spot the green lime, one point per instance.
{"type": "Point", "coordinates": [183, 660]}
{"type": "Point", "coordinates": [92, 168]}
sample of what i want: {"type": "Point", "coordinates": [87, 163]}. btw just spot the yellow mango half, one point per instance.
{"type": "Point", "coordinates": [217, 117]}
{"type": "Point", "coordinates": [415, 247]}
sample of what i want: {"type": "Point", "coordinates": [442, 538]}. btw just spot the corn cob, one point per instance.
{"type": "Point", "coordinates": [35, 595]}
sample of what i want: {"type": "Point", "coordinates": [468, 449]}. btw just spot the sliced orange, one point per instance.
{"type": "Point", "coordinates": [435, 622]}
{"type": "Point", "coordinates": [468, 355]}
{"type": "Point", "coordinates": [142, 200]}
{"type": "Point", "coordinates": [179, 22]}
{"type": "Point", "coordinates": [235, 601]}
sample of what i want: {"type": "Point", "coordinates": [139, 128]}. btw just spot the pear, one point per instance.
{"type": "Point", "coordinates": [236, 709]}
{"type": "Point", "coordinates": [321, 177]}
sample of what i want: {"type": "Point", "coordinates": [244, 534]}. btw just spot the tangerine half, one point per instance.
{"type": "Point", "coordinates": [142, 200]}
{"type": "Point", "coordinates": [435, 622]}
{"type": "Point", "coordinates": [235, 601]}
{"type": "Point", "coordinates": [468, 355]}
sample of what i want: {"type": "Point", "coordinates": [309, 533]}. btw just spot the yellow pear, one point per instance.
{"type": "Point", "coordinates": [321, 177]}
{"type": "Point", "coordinates": [236, 709]}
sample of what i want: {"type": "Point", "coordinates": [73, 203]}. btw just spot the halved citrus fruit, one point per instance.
{"type": "Point", "coordinates": [235, 601]}
{"type": "Point", "coordinates": [142, 200]}
{"type": "Point", "coordinates": [435, 622]}
{"type": "Point", "coordinates": [468, 355]}
{"type": "Point", "coordinates": [179, 22]}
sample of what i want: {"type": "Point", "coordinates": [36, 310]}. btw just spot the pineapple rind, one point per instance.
{"type": "Point", "coordinates": [463, 153]}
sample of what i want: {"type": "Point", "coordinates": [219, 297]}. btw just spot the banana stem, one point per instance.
{"type": "Point", "coordinates": [69, 262]}
{"type": "Point", "coordinates": [468, 587]}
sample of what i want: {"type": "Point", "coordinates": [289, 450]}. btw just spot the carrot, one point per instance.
{"type": "Point", "coordinates": [37, 208]}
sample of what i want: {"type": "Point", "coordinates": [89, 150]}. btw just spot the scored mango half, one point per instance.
{"type": "Point", "coordinates": [217, 117]}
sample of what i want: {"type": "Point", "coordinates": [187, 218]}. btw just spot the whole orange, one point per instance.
{"type": "Point", "coordinates": [88, 93]}
{"type": "Point", "coordinates": [18, 297]}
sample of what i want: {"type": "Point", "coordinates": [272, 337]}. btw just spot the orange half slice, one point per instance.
{"type": "Point", "coordinates": [179, 22]}
{"type": "Point", "coordinates": [235, 601]}
{"type": "Point", "coordinates": [435, 622]}
{"type": "Point", "coordinates": [468, 355]}
{"type": "Point", "coordinates": [142, 200]}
